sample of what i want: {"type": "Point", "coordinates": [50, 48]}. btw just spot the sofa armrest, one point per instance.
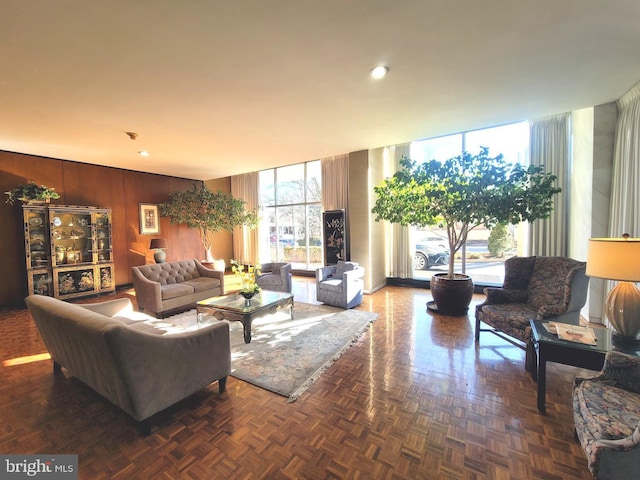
{"type": "Point", "coordinates": [576, 293]}
{"type": "Point", "coordinates": [209, 272]}
{"type": "Point", "coordinates": [109, 308]}
{"type": "Point", "coordinates": [323, 273]}
{"type": "Point", "coordinates": [497, 295]}
{"type": "Point", "coordinates": [160, 370]}
{"type": "Point", "coordinates": [621, 370]}
{"type": "Point", "coordinates": [148, 292]}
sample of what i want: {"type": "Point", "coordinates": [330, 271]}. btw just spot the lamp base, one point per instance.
{"type": "Point", "coordinates": [160, 256]}
{"type": "Point", "coordinates": [623, 309]}
{"type": "Point", "coordinates": [623, 340]}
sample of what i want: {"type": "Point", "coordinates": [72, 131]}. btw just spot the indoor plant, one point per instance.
{"type": "Point", "coordinates": [460, 194]}
{"type": "Point", "coordinates": [207, 211]}
{"type": "Point", "coordinates": [247, 277]}
{"type": "Point", "coordinates": [31, 192]}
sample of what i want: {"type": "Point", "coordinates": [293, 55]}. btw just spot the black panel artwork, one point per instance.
{"type": "Point", "coordinates": [335, 238]}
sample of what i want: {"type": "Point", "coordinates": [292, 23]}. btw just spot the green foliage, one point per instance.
{"type": "Point", "coordinates": [207, 211]}
{"type": "Point", "coordinates": [464, 192]}
{"type": "Point", "coordinates": [31, 191]}
{"type": "Point", "coordinates": [499, 240]}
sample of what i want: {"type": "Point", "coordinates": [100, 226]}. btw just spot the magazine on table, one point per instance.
{"type": "Point", "coordinates": [572, 333]}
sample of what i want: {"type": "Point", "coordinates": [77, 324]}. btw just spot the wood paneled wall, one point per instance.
{"type": "Point", "coordinates": [84, 184]}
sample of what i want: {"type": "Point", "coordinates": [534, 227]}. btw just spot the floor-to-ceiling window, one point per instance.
{"type": "Point", "coordinates": [291, 218]}
{"type": "Point", "coordinates": [430, 245]}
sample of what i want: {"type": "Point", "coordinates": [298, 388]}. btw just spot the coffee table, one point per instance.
{"type": "Point", "coordinates": [549, 348]}
{"type": "Point", "coordinates": [234, 307]}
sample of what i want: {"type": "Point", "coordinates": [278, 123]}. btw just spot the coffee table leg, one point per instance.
{"type": "Point", "coordinates": [542, 380]}
{"type": "Point", "coordinates": [246, 328]}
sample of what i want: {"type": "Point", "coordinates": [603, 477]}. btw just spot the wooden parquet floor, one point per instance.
{"type": "Point", "coordinates": [414, 398]}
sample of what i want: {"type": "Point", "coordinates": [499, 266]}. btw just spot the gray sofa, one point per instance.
{"type": "Point", "coordinates": [164, 287]}
{"type": "Point", "coordinates": [122, 356]}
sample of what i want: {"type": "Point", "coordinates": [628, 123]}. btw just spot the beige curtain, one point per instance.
{"type": "Point", "coordinates": [400, 258]}
{"type": "Point", "coordinates": [335, 183]}
{"type": "Point", "coordinates": [245, 239]}
{"type": "Point", "coordinates": [624, 214]}
{"type": "Point", "coordinates": [625, 197]}
{"type": "Point", "coordinates": [550, 147]}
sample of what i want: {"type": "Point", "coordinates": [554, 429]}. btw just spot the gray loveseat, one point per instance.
{"type": "Point", "coordinates": [164, 287]}
{"type": "Point", "coordinates": [122, 356]}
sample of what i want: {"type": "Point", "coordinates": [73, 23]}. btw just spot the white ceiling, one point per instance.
{"type": "Point", "coordinates": [216, 88]}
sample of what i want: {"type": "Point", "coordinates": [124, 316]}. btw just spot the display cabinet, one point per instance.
{"type": "Point", "coordinates": [68, 250]}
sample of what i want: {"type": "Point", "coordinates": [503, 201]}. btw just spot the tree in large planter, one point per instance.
{"type": "Point", "coordinates": [208, 212]}
{"type": "Point", "coordinates": [461, 194]}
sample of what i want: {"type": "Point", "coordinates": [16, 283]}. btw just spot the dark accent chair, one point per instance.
{"type": "Point", "coordinates": [275, 276]}
{"type": "Point", "coordinates": [606, 411]}
{"type": "Point", "coordinates": [542, 288]}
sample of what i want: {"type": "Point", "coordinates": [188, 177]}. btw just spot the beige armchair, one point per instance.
{"type": "Point", "coordinates": [553, 288]}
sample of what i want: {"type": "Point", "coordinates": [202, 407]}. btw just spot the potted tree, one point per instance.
{"type": "Point", "coordinates": [461, 194]}
{"type": "Point", "coordinates": [208, 212]}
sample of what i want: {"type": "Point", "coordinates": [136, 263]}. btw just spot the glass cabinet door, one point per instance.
{"type": "Point", "coordinates": [36, 237]}
{"type": "Point", "coordinates": [71, 240]}
{"type": "Point", "coordinates": [103, 248]}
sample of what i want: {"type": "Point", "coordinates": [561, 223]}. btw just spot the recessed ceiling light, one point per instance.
{"type": "Point", "coordinates": [379, 72]}
{"type": "Point", "coordinates": [143, 153]}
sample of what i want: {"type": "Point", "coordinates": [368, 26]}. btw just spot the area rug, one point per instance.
{"type": "Point", "coordinates": [287, 356]}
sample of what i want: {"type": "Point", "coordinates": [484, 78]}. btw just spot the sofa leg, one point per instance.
{"type": "Point", "coordinates": [222, 384]}
{"type": "Point", "coordinates": [57, 368]}
{"type": "Point", "coordinates": [145, 427]}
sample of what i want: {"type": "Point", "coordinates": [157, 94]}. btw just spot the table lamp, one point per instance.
{"type": "Point", "coordinates": [158, 244]}
{"type": "Point", "coordinates": [618, 259]}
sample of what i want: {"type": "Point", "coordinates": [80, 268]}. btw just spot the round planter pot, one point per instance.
{"type": "Point", "coordinates": [451, 296]}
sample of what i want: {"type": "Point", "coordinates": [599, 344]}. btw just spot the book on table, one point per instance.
{"type": "Point", "coordinates": [572, 333]}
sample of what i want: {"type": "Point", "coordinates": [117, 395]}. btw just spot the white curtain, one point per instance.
{"type": "Point", "coordinates": [550, 147]}
{"type": "Point", "coordinates": [625, 198]}
{"type": "Point", "coordinates": [400, 258]}
{"type": "Point", "coordinates": [335, 183]}
{"type": "Point", "coordinates": [624, 214]}
{"type": "Point", "coordinates": [245, 239]}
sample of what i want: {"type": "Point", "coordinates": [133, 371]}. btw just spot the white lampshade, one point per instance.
{"type": "Point", "coordinates": [614, 259]}
{"type": "Point", "coordinates": [618, 259]}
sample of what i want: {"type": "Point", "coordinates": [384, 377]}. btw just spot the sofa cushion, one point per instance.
{"type": "Point", "coordinates": [331, 285]}
{"type": "Point", "coordinates": [548, 281]}
{"type": "Point", "coordinates": [132, 317]}
{"type": "Point", "coordinates": [175, 290]}
{"type": "Point", "coordinates": [609, 412]}
{"type": "Point", "coordinates": [202, 284]}
{"type": "Point", "coordinates": [511, 318]}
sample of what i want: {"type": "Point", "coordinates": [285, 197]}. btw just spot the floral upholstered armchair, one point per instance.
{"type": "Point", "coordinates": [541, 288]}
{"type": "Point", "coordinates": [340, 285]}
{"type": "Point", "coordinates": [606, 411]}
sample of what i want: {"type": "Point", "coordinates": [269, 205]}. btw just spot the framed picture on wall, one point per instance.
{"type": "Point", "coordinates": [149, 219]}
{"type": "Point", "coordinates": [335, 236]}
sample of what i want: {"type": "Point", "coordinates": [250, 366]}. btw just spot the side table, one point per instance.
{"type": "Point", "coordinates": [549, 348]}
